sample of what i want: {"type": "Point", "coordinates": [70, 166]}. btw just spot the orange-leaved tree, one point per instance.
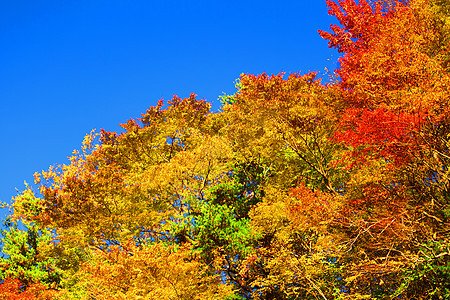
{"type": "Point", "coordinates": [393, 78]}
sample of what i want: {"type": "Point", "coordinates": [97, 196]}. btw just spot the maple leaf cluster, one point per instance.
{"type": "Point", "coordinates": [296, 189]}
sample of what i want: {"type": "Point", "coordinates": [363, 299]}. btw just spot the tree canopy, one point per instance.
{"type": "Point", "coordinates": [296, 189]}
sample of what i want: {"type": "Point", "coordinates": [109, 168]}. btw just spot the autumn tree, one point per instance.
{"type": "Point", "coordinates": [13, 290]}
{"type": "Point", "coordinates": [393, 79]}
{"type": "Point", "coordinates": [296, 189]}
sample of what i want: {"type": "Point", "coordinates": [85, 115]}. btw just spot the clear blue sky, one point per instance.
{"type": "Point", "coordinates": [67, 67]}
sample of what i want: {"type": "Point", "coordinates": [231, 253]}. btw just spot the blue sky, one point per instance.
{"type": "Point", "coordinates": [68, 67]}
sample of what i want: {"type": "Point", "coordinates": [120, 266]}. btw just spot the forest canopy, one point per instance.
{"type": "Point", "coordinates": [295, 189]}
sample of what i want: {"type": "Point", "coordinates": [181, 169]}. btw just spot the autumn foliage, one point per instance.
{"type": "Point", "coordinates": [296, 189]}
